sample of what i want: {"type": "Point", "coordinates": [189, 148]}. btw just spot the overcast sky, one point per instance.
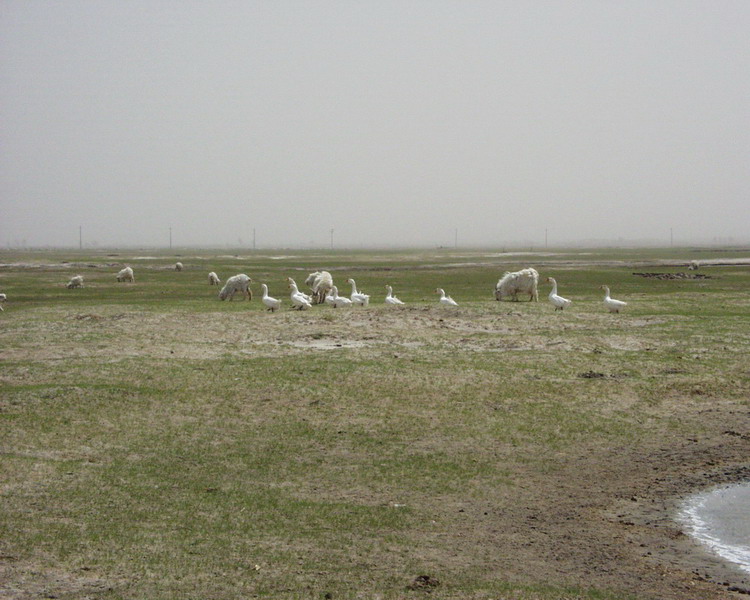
{"type": "Point", "coordinates": [393, 123]}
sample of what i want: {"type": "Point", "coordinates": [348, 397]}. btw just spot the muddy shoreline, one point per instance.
{"type": "Point", "coordinates": [639, 531]}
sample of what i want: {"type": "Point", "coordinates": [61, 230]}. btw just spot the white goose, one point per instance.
{"type": "Point", "coordinates": [559, 302]}
{"type": "Point", "coordinates": [445, 300]}
{"type": "Point", "coordinates": [337, 300]}
{"type": "Point", "coordinates": [272, 303]}
{"type": "Point", "coordinates": [358, 297]}
{"type": "Point", "coordinates": [300, 301]}
{"type": "Point", "coordinates": [307, 297]}
{"type": "Point", "coordinates": [613, 305]}
{"type": "Point", "coordinates": [390, 298]}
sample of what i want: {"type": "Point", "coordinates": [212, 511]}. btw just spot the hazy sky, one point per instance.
{"type": "Point", "coordinates": [394, 123]}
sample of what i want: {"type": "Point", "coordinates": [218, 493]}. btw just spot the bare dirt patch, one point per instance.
{"type": "Point", "coordinates": [673, 275]}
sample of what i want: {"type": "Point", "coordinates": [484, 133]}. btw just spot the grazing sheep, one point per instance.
{"type": "Point", "coordinates": [126, 275]}
{"type": "Point", "coordinates": [75, 282]}
{"type": "Point", "coordinates": [320, 282]}
{"type": "Point", "coordinates": [178, 266]}
{"type": "Point", "coordinates": [3, 298]}
{"type": "Point", "coordinates": [236, 283]}
{"type": "Point", "coordinates": [694, 264]}
{"type": "Point", "coordinates": [524, 281]}
{"type": "Point", "coordinates": [213, 279]}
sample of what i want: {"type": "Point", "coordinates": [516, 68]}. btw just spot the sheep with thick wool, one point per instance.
{"type": "Point", "coordinates": [236, 283]}
{"type": "Point", "coordinates": [178, 266]}
{"type": "Point", "coordinates": [321, 283]}
{"type": "Point", "coordinates": [524, 281]}
{"type": "Point", "coordinates": [75, 282]}
{"type": "Point", "coordinates": [213, 279]}
{"type": "Point", "coordinates": [126, 274]}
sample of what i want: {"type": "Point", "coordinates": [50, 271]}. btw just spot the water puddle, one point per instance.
{"type": "Point", "coordinates": [720, 520]}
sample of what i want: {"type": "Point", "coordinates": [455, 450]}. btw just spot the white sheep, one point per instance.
{"type": "Point", "coordinates": [524, 281]}
{"type": "Point", "coordinates": [213, 279]}
{"type": "Point", "coordinates": [126, 275]}
{"type": "Point", "coordinates": [236, 283]}
{"type": "Point", "coordinates": [3, 298]}
{"type": "Point", "coordinates": [75, 282]}
{"type": "Point", "coordinates": [694, 264]}
{"type": "Point", "coordinates": [320, 282]}
{"type": "Point", "coordinates": [178, 266]}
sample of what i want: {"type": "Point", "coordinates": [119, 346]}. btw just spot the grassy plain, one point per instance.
{"type": "Point", "coordinates": [158, 443]}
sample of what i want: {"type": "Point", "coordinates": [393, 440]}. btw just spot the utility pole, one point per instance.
{"type": "Point", "coordinates": [455, 238]}
{"type": "Point", "coordinates": [331, 239]}
{"type": "Point", "coordinates": [170, 238]}
{"type": "Point", "coordinates": [545, 237]}
{"type": "Point", "coordinates": [253, 238]}
{"type": "Point", "coordinates": [671, 238]}
{"type": "Point", "coordinates": [80, 238]}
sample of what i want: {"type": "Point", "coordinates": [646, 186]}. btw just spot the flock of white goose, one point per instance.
{"type": "Point", "coordinates": [301, 300]}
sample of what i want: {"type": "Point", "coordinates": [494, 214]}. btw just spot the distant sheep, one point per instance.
{"type": "Point", "coordinates": [320, 282]}
{"type": "Point", "coordinates": [213, 279]}
{"type": "Point", "coordinates": [694, 264]}
{"type": "Point", "coordinates": [524, 281]}
{"type": "Point", "coordinates": [126, 275]}
{"type": "Point", "coordinates": [75, 282]}
{"type": "Point", "coordinates": [236, 283]}
{"type": "Point", "coordinates": [3, 298]}
{"type": "Point", "coordinates": [178, 266]}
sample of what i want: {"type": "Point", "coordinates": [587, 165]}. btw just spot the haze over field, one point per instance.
{"type": "Point", "coordinates": [391, 123]}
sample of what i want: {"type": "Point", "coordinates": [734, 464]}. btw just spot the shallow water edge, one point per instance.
{"type": "Point", "coordinates": [719, 519]}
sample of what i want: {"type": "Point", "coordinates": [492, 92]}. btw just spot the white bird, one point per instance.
{"type": "Point", "coordinates": [446, 300]}
{"type": "Point", "coordinates": [271, 303]}
{"type": "Point", "coordinates": [613, 305]}
{"type": "Point", "coordinates": [390, 298]}
{"type": "Point", "coordinates": [307, 297]}
{"type": "Point", "coordinates": [559, 302]}
{"type": "Point", "coordinates": [337, 301]}
{"type": "Point", "coordinates": [358, 297]}
{"type": "Point", "coordinates": [299, 300]}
